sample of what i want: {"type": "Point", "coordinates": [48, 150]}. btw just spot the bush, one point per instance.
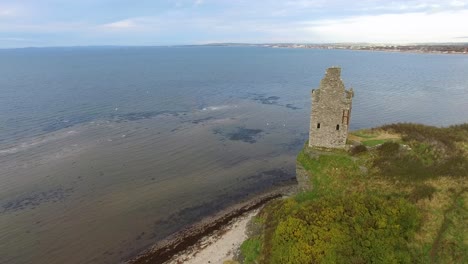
{"type": "Point", "coordinates": [415, 132]}
{"type": "Point", "coordinates": [358, 149]}
{"type": "Point", "coordinates": [389, 149]}
{"type": "Point", "coordinates": [343, 229]}
{"type": "Point", "coordinates": [423, 191]}
{"type": "Point", "coordinates": [404, 167]}
{"type": "Point", "coordinates": [454, 166]}
{"type": "Point", "coordinates": [434, 151]}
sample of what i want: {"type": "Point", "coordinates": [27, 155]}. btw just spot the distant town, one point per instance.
{"type": "Point", "coordinates": [445, 48]}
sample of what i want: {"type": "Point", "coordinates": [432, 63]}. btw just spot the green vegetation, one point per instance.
{"type": "Point", "coordinates": [366, 133]}
{"type": "Point", "coordinates": [374, 142]}
{"type": "Point", "coordinates": [373, 137]}
{"type": "Point", "coordinates": [230, 262]}
{"type": "Point", "coordinates": [358, 149]}
{"type": "Point", "coordinates": [422, 191]}
{"type": "Point", "coordinates": [343, 229]}
{"type": "Point", "coordinates": [403, 200]}
{"type": "Point", "coordinates": [250, 249]}
{"type": "Point", "coordinates": [432, 152]}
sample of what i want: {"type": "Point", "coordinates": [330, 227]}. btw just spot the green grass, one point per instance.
{"type": "Point", "coordinates": [364, 134]}
{"type": "Point", "coordinates": [250, 250]}
{"type": "Point", "coordinates": [372, 137]}
{"type": "Point", "coordinates": [374, 142]}
{"type": "Point", "coordinates": [329, 170]}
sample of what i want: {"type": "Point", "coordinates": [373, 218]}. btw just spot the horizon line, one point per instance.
{"type": "Point", "coordinates": [243, 44]}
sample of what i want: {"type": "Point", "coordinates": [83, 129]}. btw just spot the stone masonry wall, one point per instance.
{"type": "Point", "coordinates": [331, 112]}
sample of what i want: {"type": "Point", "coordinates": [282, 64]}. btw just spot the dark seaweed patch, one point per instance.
{"type": "Point", "coordinates": [217, 131]}
{"type": "Point", "coordinates": [140, 236]}
{"type": "Point", "coordinates": [202, 120]}
{"type": "Point", "coordinates": [271, 100]}
{"type": "Point", "coordinates": [245, 134]}
{"type": "Point", "coordinates": [290, 106]}
{"type": "Point", "coordinates": [63, 122]}
{"type": "Point", "coordinates": [174, 222]}
{"type": "Point", "coordinates": [273, 177]}
{"type": "Point", "coordinates": [35, 199]}
{"type": "Point", "coordinates": [135, 116]}
{"type": "Point", "coordinates": [240, 134]}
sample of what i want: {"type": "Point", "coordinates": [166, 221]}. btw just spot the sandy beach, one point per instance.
{"type": "Point", "coordinates": [220, 246]}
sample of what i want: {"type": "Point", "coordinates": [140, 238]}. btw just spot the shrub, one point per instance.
{"type": "Point", "coordinates": [344, 229]}
{"type": "Point", "coordinates": [454, 166]}
{"type": "Point", "coordinates": [389, 149]}
{"type": "Point", "coordinates": [415, 132]}
{"type": "Point", "coordinates": [434, 151]}
{"type": "Point", "coordinates": [404, 167]}
{"type": "Point", "coordinates": [422, 191]}
{"type": "Point", "coordinates": [358, 149]}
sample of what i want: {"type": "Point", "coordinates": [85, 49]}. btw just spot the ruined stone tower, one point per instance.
{"type": "Point", "coordinates": [331, 111]}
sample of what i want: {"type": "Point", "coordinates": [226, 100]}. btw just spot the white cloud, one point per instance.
{"type": "Point", "coordinates": [199, 2]}
{"type": "Point", "coordinates": [15, 39]}
{"type": "Point", "coordinates": [134, 24]}
{"type": "Point", "coordinates": [122, 24]}
{"type": "Point", "coordinates": [7, 12]}
{"type": "Point", "coordinates": [43, 27]}
{"type": "Point", "coordinates": [401, 28]}
{"type": "Point", "coordinates": [346, 6]}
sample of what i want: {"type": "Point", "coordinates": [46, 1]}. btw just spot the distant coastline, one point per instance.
{"type": "Point", "coordinates": [444, 48]}
{"type": "Point", "coordinates": [424, 48]}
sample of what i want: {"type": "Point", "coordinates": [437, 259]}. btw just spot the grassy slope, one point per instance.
{"type": "Point", "coordinates": [405, 201]}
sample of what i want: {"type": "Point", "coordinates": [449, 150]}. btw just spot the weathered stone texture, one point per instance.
{"type": "Point", "coordinates": [331, 111]}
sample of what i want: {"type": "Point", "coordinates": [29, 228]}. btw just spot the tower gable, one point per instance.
{"type": "Point", "coordinates": [331, 111]}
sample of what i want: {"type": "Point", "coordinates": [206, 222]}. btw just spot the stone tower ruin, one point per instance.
{"type": "Point", "coordinates": [331, 111]}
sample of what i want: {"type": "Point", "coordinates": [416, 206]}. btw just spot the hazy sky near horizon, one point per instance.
{"type": "Point", "coordinates": [25, 23]}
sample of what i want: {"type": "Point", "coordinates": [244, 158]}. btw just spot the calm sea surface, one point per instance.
{"type": "Point", "coordinates": [105, 151]}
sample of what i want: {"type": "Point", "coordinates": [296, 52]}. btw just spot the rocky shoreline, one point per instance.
{"type": "Point", "coordinates": [180, 241]}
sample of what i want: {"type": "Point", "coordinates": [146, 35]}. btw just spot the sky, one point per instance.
{"type": "Point", "coordinates": [41, 23]}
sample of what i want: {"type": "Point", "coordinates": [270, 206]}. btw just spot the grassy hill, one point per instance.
{"type": "Point", "coordinates": [399, 195]}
